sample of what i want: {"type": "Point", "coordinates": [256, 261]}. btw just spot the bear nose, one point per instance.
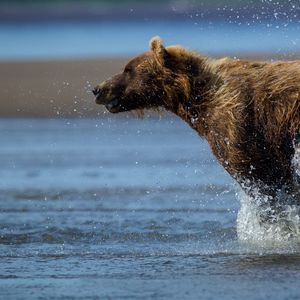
{"type": "Point", "coordinates": [96, 91]}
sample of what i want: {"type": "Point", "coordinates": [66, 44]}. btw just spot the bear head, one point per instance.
{"type": "Point", "coordinates": [147, 81]}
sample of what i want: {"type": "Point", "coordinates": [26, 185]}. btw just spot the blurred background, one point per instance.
{"type": "Point", "coordinates": [98, 206]}
{"type": "Point", "coordinates": [52, 52]}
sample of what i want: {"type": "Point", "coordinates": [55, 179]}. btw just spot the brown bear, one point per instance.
{"type": "Point", "coordinates": [249, 112]}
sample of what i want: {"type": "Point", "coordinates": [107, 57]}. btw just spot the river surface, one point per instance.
{"type": "Point", "coordinates": [126, 209]}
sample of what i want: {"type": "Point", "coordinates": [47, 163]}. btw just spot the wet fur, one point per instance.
{"type": "Point", "coordinates": [247, 111]}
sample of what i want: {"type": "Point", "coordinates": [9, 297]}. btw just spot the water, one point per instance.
{"type": "Point", "coordinates": [127, 38]}
{"type": "Point", "coordinates": [126, 209]}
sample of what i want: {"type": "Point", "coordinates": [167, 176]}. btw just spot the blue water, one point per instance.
{"type": "Point", "coordinates": [125, 209]}
{"type": "Point", "coordinates": [124, 38]}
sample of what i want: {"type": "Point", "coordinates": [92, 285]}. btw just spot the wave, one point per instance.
{"type": "Point", "coordinates": [114, 232]}
{"type": "Point", "coordinates": [64, 194]}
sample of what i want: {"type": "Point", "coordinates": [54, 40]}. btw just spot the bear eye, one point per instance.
{"type": "Point", "coordinates": [127, 70]}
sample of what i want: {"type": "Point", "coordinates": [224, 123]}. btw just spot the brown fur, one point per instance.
{"type": "Point", "coordinates": [249, 112]}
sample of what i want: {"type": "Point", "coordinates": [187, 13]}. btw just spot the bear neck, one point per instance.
{"type": "Point", "coordinates": [192, 91]}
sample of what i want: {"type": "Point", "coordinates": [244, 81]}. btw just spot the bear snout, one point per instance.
{"type": "Point", "coordinates": [102, 93]}
{"type": "Point", "coordinates": [100, 88]}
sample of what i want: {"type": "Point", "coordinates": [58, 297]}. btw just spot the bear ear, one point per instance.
{"type": "Point", "coordinates": [156, 44]}
{"type": "Point", "coordinates": [159, 50]}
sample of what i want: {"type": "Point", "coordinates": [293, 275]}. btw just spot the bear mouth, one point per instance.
{"type": "Point", "coordinates": [113, 106]}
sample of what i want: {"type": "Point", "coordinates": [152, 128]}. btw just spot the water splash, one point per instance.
{"type": "Point", "coordinates": [269, 221]}
{"type": "Point", "coordinates": [282, 229]}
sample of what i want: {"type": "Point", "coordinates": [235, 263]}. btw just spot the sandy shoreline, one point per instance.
{"type": "Point", "coordinates": [52, 88]}
{"type": "Point", "coordinates": [58, 88]}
